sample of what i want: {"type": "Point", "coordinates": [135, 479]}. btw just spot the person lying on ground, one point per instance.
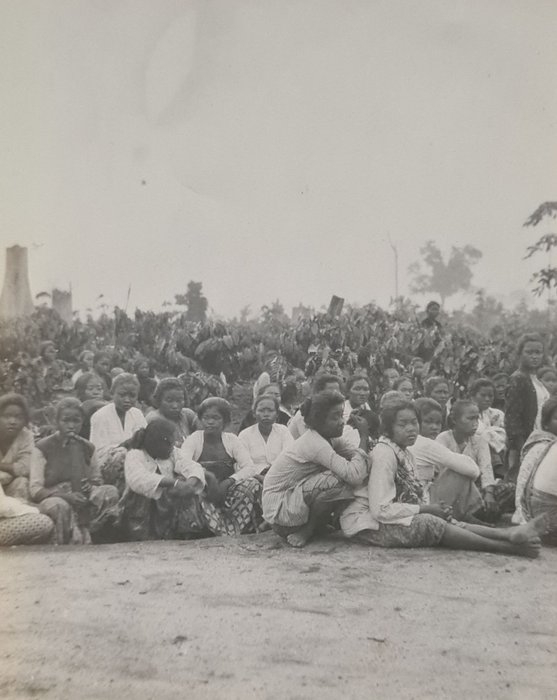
{"type": "Point", "coordinates": [266, 439]}
{"type": "Point", "coordinates": [66, 480]}
{"type": "Point", "coordinates": [170, 401]}
{"type": "Point", "coordinates": [115, 423]}
{"type": "Point", "coordinates": [534, 448]}
{"type": "Point", "coordinates": [389, 511]}
{"type": "Point", "coordinates": [16, 446]}
{"type": "Point", "coordinates": [159, 502]}
{"type": "Point", "coordinates": [311, 479]}
{"type": "Point", "coordinates": [233, 503]}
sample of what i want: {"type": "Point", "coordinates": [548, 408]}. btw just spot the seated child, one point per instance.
{"type": "Point", "coordinates": [491, 423]}
{"type": "Point", "coordinates": [66, 480]}
{"type": "Point", "coordinates": [115, 423]}
{"type": "Point", "coordinates": [16, 445]}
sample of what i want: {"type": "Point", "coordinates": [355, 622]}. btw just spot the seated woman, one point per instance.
{"type": "Point", "coordinates": [274, 391]}
{"type": "Point", "coordinates": [50, 373]}
{"type": "Point", "coordinates": [232, 506]}
{"type": "Point", "coordinates": [161, 486]}
{"type": "Point", "coordinates": [438, 389]}
{"type": "Point", "coordinates": [358, 392]}
{"type": "Point", "coordinates": [405, 386]}
{"type": "Point", "coordinates": [462, 438]}
{"type": "Point", "coordinates": [21, 523]}
{"type": "Point", "coordinates": [389, 510]}
{"type": "Point", "coordinates": [147, 384]}
{"type": "Point", "coordinates": [89, 390]}
{"type": "Point", "coordinates": [445, 477]}
{"type": "Point", "coordinates": [66, 480]}
{"type": "Point", "coordinates": [16, 446]}
{"type": "Point", "coordinates": [491, 422]}
{"type": "Point", "coordinates": [266, 439]}
{"type": "Point", "coordinates": [113, 424]}
{"type": "Point", "coordinates": [534, 449]}
{"type": "Point", "coordinates": [169, 401]}
{"type": "Point", "coordinates": [310, 479]}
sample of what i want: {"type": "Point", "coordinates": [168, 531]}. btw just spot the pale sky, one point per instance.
{"type": "Point", "coordinates": [268, 148]}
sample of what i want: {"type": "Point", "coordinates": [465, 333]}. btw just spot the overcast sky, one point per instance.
{"type": "Point", "coordinates": [268, 148]}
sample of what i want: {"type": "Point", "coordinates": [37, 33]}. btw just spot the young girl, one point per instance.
{"type": "Point", "coordinates": [525, 398]}
{"type": "Point", "coordinates": [405, 386]}
{"type": "Point", "coordinates": [446, 477]}
{"type": "Point", "coordinates": [274, 391]}
{"type": "Point", "coordinates": [66, 480]}
{"type": "Point", "coordinates": [161, 486]}
{"type": "Point", "coordinates": [115, 423]}
{"type": "Point", "coordinates": [89, 390]}
{"type": "Point", "coordinates": [266, 439]}
{"type": "Point", "coordinates": [147, 384]}
{"type": "Point", "coordinates": [311, 478]}
{"type": "Point", "coordinates": [390, 512]}
{"type": "Point", "coordinates": [358, 392]}
{"type": "Point", "coordinates": [169, 400]}
{"type": "Point", "coordinates": [491, 422]}
{"type": "Point", "coordinates": [534, 449]}
{"type": "Point", "coordinates": [232, 506]}
{"type": "Point", "coordinates": [16, 446]}
{"type": "Point", "coordinates": [462, 438]}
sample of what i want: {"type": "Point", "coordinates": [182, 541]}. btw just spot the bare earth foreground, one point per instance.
{"type": "Point", "coordinates": [250, 618]}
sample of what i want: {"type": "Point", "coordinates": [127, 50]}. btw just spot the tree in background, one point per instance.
{"type": "Point", "coordinates": [546, 278]}
{"type": "Point", "coordinates": [443, 278]}
{"type": "Point", "coordinates": [195, 302]}
{"type": "Point", "coordinates": [274, 313]}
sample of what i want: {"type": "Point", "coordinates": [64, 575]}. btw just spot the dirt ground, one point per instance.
{"type": "Point", "coordinates": [251, 618]}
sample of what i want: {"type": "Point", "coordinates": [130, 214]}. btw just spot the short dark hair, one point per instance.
{"type": "Point", "coordinates": [264, 397]}
{"type": "Point", "coordinates": [69, 403]}
{"type": "Point", "coordinates": [81, 382]}
{"type": "Point", "coordinates": [548, 409]}
{"type": "Point", "coordinates": [528, 338]}
{"type": "Point", "coordinates": [545, 370]}
{"type": "Point", "coordinates": [391, 411]}
{"type": "Point", "coordinates": [167, 384]}
{"type": "Point", "coordinates": [222, 406]}
{"type": "Point", "coordinates": [424, 406]}
{"type": "Point", "coordinates": [431, 304]}
{"type": "Point", "coordinates": [356, 378]}
{"type": "Point", "coordinates": [13, 399]}
{"type": "Point", "coordinates": [319, 407]}
{"type": "Point", "coordinates": [481, 383]}
{"type": "Point", "coordinates": [432, 382]}
{"type": "Point", "coordinates": [322, 380]}
{"type": "Point", "coordinates": [458, 408]}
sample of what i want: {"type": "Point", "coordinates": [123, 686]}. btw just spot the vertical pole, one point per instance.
{"type": "Point", "coordinates": [395, 252]}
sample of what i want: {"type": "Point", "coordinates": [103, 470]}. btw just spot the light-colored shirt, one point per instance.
{"type": "Point", "coordinates": [107, 430]}
{"type": "Point", "coordinates": [144, 474]}
{"type": "Point", "coordinates": [492, 425]}
{"type": "Point", "coordinates": [264, 452]}
{"type": "Point", "coordinates": [18, 455]}
{"type": "Point", "coordinates": [375, 502]}
{"type": "Point", "coordinates": [244, 467]}
{"type": "Point", "coordinates": [542, 394]}
{"type": "Point", "coordinates": [311, 454]}
{"type": "Point", "coordinates": [12, 508]}
{"type": "Point", "coordinates": [348, 409]}
{"type": "Point", "coordinates": [475, 447]}
{"type": "Point", "coordinates": [531, 454]}
{"type": "Point", "coordinates": [545, 478]}
{"type": "Point", "coordinates": [431, 458]}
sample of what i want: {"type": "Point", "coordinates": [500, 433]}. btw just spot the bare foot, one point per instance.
{"type": "Point", "coordinates": [524, 534]}
{"type": "Point", "coordinates": [299, 539]}
{"type": "Point", "coordinates": [529, 549]}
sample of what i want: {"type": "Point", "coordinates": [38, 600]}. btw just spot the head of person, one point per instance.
{"type": "Point", "coordinates": [89, 386]}
{"type": "Point", "coordinates": [289, 394]}
{"type": "Point", "coordinates": [437, 388]}
{"type": "Point", "coordinates": [417, 367]}
{"type": "Point", "coordinates": [430, 416]}
{"type": "Point", "coordinates": [215, 414]}
{"type": "Point", "coordinates": [272, 389]}
{"type": "Point", "coordinates": [326, 382]}
{"type": "Point", "coordinates": [548, 377]}
{"type": "Point", "coordinates": [390, 375]}
{"type": "Point", "coordinates": [325, 414]}
{"type": "Point", "coordinates": [464, 417]}
{"type": "Point", "coordinates": [14, 415]}
{"type": "Point", "coordinates": [530, 352]}
{"type": "Point", "coordinates": [87, 360]}
{"type": "Point", "coordinates": [124, 390]}
{"type": "Point", "coordinates": [405, 386]}
{"type": "Point", "coordinates": [157, 438]}
{"type": "Point", "coordinates": [399, 422]}
{"type": "Point", "coordinates": [170, 398]}
{"type": "Point", "coordinates": [115, 371]}
{"type": "Point", "coordinates": [501, 384]}
{"type": "Point", "coordinates": [433, 310]}
{"type": "Point", "coordinates": [102, 362]}
{"type": "Point", "coordinates": [69, 416]}
{"type": "Point", "coordinates": [390, 397]}
{"type": "Point", "coordinates": [482, 392]}
{"type": "Point", "coordinates": [549, 415]}
{"type": "Point", "coordinates": [358, 390]}
{"type": "Point", "coordinates": [48, 351]}
{"type": "Point", "coordinates": [142, 368]}
{"type": "Point", "coordinates": [265, 409]}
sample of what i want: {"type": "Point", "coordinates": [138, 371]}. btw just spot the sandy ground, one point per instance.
{"type": "Point", "coordinates": [251, 618]}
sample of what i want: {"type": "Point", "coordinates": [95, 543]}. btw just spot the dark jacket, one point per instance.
{"type": "Point", "coordinates": [521, 409]}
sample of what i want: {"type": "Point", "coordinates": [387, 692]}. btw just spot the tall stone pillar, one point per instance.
{"type": "Point", "coordinates": [16, 299]}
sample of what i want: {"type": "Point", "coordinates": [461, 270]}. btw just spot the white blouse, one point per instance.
{"type": "Point", "coordinates": [264, 452]}
{"type": "Point", "coordinates": [107, 430]}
